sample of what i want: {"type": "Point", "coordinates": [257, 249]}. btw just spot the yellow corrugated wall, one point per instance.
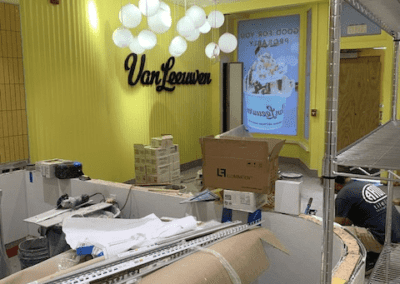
{"type": "Point", "coordinates": [79, 103]}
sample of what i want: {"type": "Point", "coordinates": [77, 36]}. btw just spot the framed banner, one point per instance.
{"type": "Point", "coordinates": [269, 50]}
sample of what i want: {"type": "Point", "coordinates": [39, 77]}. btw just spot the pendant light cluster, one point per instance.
{"type": "Point", "coordinates": [158, 13]}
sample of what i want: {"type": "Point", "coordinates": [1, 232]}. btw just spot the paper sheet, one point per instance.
{"type": "Point", "coordinates": [114, 236]}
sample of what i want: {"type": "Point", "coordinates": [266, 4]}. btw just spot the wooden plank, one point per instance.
{"type": "Point", "coordinates": [12, 149]}
{"type": "Point", "coordinates": [20, 71]}
{"type": "Point", "coordinates": [24, 123]}
{"type": "Point", "coordinates": [359, 98]}
{"type": "Point", "coordinates": [17, 19]}
{"type": "Point", "coordinates": [4, 119]}
{"type": "Point", "coordinates": [7, 154]}
{"type": "Point", "coordinates": [11, 71]}
{"type": "Point", "coordinates": [2, 76]}
{"type": "Point", "coordinates": [17, 150]}
{"type": "Point", "coordinates": [7, 17]}
{"type": "Point", "coordinates": [2, 16]}
{"type": "Point", "coordinates": [6, 71]}
{"type": "Point", "coordinates": [26, 147]}
{"type": "Point", "coordinates": [12, 18]}
{"type": "Point", "coordinates": [8, 96]}
{"type": "Point", "coordinates": [17, 97]}
{"type": "Point", "coordinates": [16, 70]}
{"type": "Point", "coordinates": [2, 97]}
{"type": "Point", "coordinates": [3, 35]}
{"type": "Point", "coordinates": [2, 151]}
{"type": "Point", "coordinates": [1, 126]}
{"type": "Point", "coordinates": [13, 97]}
{"type": "Point", "coordinates": [15, 122]}
{"type": "Point", "coordinates": [9, 44]}
{"type": "Point", "coordinates": [22, 94]}
{"type": "Point", "coordinates": [21, 143]}
{"type": "Point", "coordinates": [19, 122]}
{"type": "Point", "coordinates": [14, 50]}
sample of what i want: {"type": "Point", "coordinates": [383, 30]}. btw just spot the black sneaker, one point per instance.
{"type": "Point", "coordinates": [370, 262]}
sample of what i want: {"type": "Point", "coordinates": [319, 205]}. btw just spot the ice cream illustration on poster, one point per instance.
{"type": "Point", "coordinates": [269, 50]}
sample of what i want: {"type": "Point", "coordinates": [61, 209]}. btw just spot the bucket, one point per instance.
{"type": "Point", "coordinates": [33, 251]}
{"type": "Point", "coordinates": [291, 176]}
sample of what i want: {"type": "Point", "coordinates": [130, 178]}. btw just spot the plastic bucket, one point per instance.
{"type": "Point", "coordinates": [33, 251]}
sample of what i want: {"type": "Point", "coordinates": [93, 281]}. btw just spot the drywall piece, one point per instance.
{"type": "Point", "coordinates": [13, 206]}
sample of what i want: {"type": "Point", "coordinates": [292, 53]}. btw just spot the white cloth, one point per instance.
{"type": "Point", "coordinates": [114, 236]}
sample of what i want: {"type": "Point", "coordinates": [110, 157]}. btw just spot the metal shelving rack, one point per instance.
{"type": "Point", "coordinates": [379, 150]}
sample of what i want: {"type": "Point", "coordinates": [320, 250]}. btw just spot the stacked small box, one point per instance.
{"type": "Point", "coordinates": [140, 163]}
{"type": "Point", "coordinates": [161, 162]}
{"type": "Point", "coordinates": [48, 167]}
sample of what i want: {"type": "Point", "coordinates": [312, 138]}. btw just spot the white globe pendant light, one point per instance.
{"type": "Point", "coordinates": [215, 19]}
{"type": "Point", "coordinates": [122, 37]}
{"type": "Point", "coordinates": [205, 28]}
{"type": "Point", "coordinates": [130, 16]}
{"type": "Point", "coordinates": [164, 6]}
{"type": "Point", "coordinates": [227, 42]}
{"type": "Point", "coordinates": [149, 7]}
{"type": "Point", "coordinates": [185, 26]}
{"type": "Point", "coordinates": [135, 46]}
{"type": "Point", "coordinates": [160, 22]}
{"type": "Point", "coordinates": [178, 46]}
{"type": "Point", "coordinates": [212, 50]}
{"type": "Point", "coordinates": [193, 36]}
{"type": "Point", "coordinates": [147, 39]}
{"type": "Point", "coordinates": [197, 15]}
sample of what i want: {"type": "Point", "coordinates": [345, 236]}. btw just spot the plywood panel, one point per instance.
{"type": "Point", "coordinates": [12, 97]}
{"type": "Point", "coordinates": [359, 98]}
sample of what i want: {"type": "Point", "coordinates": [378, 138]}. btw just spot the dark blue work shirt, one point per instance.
{"type": "Point", "coordinates": [365, 205]}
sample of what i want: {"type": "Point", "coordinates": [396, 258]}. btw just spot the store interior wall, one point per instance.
{"type": "Point", "coordinates": [80, 106]}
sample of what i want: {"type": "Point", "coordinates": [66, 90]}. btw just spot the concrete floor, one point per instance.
{"type": "Point", "coordinates": [311, 188]}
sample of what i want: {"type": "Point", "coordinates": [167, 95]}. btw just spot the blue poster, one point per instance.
{"type": "Point", "coordinates": [269, 50]}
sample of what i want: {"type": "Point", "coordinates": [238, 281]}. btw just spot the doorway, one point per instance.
{"type": "Point", "coordinates": [359, 96]}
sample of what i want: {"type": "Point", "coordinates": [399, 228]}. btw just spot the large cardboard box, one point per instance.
{"type": "Point", "coordinates": [241, 163]}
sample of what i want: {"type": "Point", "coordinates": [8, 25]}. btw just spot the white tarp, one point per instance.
{"type": "Point", "coordinates": [113, 236]}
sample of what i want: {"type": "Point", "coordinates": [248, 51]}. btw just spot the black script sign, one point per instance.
{"type": "Point", "coordinates": [147, 77]}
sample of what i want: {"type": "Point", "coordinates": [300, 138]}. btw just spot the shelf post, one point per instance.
{"type": "Point", "coordinates": [330, 141]}
{"type": "Point", "coordinates": [395, 77]}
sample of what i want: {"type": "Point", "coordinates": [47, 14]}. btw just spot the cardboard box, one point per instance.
{"type": "Point", "coordinates": [244, 201]}
{"type": "Point", "coordinates": [164, 141]}
{"type": "Point", "coordinates": [173, 149]}
{"type": "Point", "coordinates": [140, 161]}
{"type": "Point", "coordinates": [241, 163]}
{"type": "Point", "coordinates": [155, 152]}
{"type": "Point", "coordinates": [139, 150]}
{"type": "Point", "coordinates": [176, 166]}
{"type": "Point", "coordinates": [174, 158]}
{"type": "Point", "coordinates": [175, 174]}
{"type": "Point", "coordinates": [158, 178]}
{"type": "Point", "coordinates": [140, 169]}
{"type": "Point", "coordinates": [158, 170]}
{"type": "Point", "coordinates": [140, 178]}
{"type": "Point", "coordinates": [158, 161]}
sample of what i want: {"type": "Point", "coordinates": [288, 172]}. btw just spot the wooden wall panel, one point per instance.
{"type": "Point", "coordinates": [13, 124]}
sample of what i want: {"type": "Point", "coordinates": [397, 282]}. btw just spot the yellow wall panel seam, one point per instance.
{"type": "Point", "coordinates": [2, 16]}
{"type": "Point", "coordinates": [7, 17]}
{"type": "Point", "coordinates": [2, 150]}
